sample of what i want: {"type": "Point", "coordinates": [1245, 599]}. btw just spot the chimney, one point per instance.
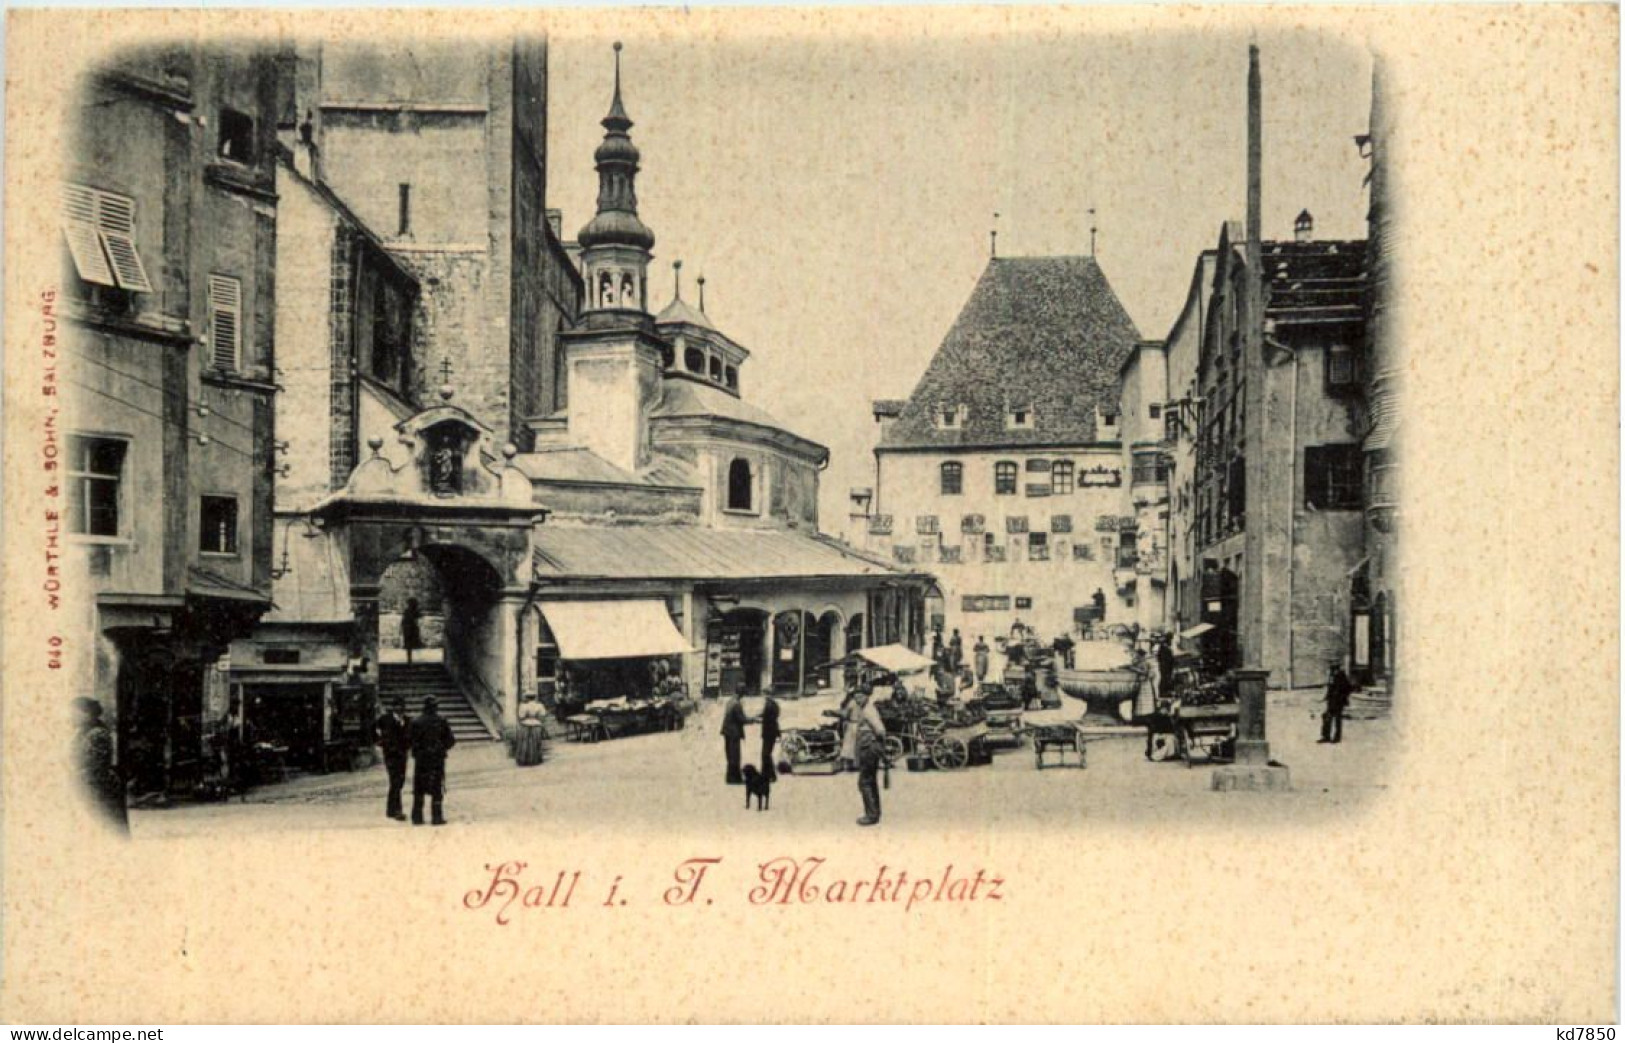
{"type": "Point", "coordinates": [555, 223]}
{"type": "Point", "coordinates": [1303, 229]}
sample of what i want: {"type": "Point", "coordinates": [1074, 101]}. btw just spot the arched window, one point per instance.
{"type": "Point", "coordinates": [694, 360]}
{"type": "Point", "coordinates": [1004, 478]}
{"type": "Point", "coordinates": [953, 478]}
{"type": "Point", "coordinates": [739, 485]}
{"type": "Point", "coordinates": [730, 376]}
{"type": "Point", "coordinates": [716, 369]}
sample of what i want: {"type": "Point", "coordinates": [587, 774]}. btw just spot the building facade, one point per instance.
{"type": "Point", "coordinates": [645, 511]}
{"type": "Point", "coordinates": [169, 217]}
{"type": "Point", "coordinates": [1373, 594]}
{"type": "Point", "coordinates": [1002, 473]}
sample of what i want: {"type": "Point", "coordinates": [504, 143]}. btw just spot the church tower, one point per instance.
{"type": "Point", "coordinates": [615, 356]}
{"type": "Point", "coordinates": [615, 244]}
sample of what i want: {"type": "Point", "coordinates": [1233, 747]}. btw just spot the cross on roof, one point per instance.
{"type": "Point", "coordinates": [445, 369]}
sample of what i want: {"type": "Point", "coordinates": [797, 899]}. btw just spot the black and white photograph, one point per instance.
{"type": "Point", "coordinates": [404, 465]}
{"type": "Point", "coordinates": [767, 431]}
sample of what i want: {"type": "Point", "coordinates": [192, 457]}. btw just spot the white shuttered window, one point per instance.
{"type": "Point", "coordinates": [225, 322]}
{"type": "Point", "coordinates": [100, 229]}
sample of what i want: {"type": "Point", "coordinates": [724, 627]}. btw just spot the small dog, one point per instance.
{"type": "Point", "coordinates": [759, 786]}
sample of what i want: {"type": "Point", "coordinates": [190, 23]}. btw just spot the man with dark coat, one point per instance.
{"type": "Point", "coordinates": [770, 735]}
{"type": "Point", "coordinates": [102, 781]}
{"type": "Point", "coordinates": [733, 733]}
{"type": "Point", "coordinates": [956, 652]}
{"type": "Point", "coordinates": [1338, 690]}
{"type": "Point", "coordinates": [395, 739]}
{"type": "Point", "coordinates": [431, 739]}
{"type": "Point", "coordinates": [980, 656]}
{"type": "Point", "coordinates": [1165, 666]}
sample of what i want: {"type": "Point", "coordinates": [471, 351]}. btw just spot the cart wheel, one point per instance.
{"type": "Point", "coordinates": [949, 753]}
{"type": "Point", "coordinates": [794, 748]}
{"type": "Point", "coordinates": [894, 748]}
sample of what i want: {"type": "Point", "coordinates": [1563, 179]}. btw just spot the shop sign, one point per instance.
{"type": "Point", "coordinates": [1101, 476]}
{"type": "Point", "coordinates": [1038, 488]}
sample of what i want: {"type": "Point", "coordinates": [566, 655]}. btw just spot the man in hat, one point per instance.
{"type": "Point", "coordinates": [103, 784]}
{"type": "Point", "coordinates": [1338, 690]}
{"type": "Point", "coordinates": [431, 738]}
{"type": "Point", "coordinates": [395, 739]}
{"type": "Point", "coordinates": [868, 732]}
{"type": "Point", "coordinates": [733, 735]}
{"type": "Point", "coordinates": [980, 656]}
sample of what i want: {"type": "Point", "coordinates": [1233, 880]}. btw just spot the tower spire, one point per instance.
{"type": "Point", "coordinates": [677, 279]}
{"type": "Point", "coordinates": [702, 295]}
{"type": "Point", "coordinates": [615, 244]}
{"type": "Point", "coordinates": [617, 112]}
{"type": "Point", "coordinates": [1092, 231]}
{"type": "Point", "coordinates": [993, 237]}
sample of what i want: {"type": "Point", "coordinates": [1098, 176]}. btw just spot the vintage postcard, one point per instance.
{"type": "Point", "coordinates": [900, 514]}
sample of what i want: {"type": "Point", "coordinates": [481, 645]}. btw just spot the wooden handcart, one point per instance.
{"type": "Point", "coordinates": [1207, 731]}
{"type": "Point", "coordinates": [1058, 740]}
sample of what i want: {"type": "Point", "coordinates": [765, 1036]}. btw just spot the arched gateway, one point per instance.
{"type": "Point", "coordinates": [446, 530]}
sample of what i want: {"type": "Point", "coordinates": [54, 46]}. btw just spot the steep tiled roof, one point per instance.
{"type": "Point", "coordinates": [1045, 333]}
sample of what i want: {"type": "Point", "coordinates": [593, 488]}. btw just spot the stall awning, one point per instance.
{"type": "Point", "coordinates": [896, 658]}
{"type": "Point", "coordinates": [612, 629]}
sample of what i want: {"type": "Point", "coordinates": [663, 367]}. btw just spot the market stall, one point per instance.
{"type": "Point", "coordinates": [616, 667]}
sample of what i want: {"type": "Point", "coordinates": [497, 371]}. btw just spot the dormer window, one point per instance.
{"type": "Point", "coordinates": [1019, 418]}
{"type": "Point", "coordinates": [1106, 423]}
{"type": "Point", "coordinates": [952, 417]}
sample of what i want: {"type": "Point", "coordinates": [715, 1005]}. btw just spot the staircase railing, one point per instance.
{"type": "Point", "coordinates": [486, 704]}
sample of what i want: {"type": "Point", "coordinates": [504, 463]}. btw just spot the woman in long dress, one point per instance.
{"type": "Point", "coordinates": [527, 748]}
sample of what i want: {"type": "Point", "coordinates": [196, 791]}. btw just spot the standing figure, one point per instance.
{"type": "Point", "coordinates": [980, 655]}
{"type": "Point", "coordinates": [1338, 690]}
{"type": "Point", "coordinates": [1165, 666]}
{"type": "Point", "coordinates": [101, 779]}
{"type": "Point", "coordinates": [936, 647]}
{"type": "Point", "coordinates": [1099, 598]}
{"type": "Point", "coordinates": [956, 652]}
{"type": "Point", "coordinates": [733, 733]}
{"type": "Point", "coordinates": [395, 739]}
{"type": "Point", "coordinates": [527, 747]}
{"type": "Point", "coordinates": [411, 629]}
{"type": "Point", "coordinates": [1063, 650]}
{"type": "Point", "coordinates": [770, 735]}
{"type": "Point", "coordinates": [868, 731]}
{"type": "Point", "coordinates": [431, 739]}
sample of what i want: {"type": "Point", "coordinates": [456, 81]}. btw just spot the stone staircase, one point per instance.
{"type": "Point", "coordinates": [1371, 703]}
{"type": "Point", "coordinates": [414, 681]}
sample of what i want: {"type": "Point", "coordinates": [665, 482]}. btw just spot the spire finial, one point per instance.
{"type": "Point", "coordinates": [993, 237]}
{"type": "Point", "coordinates": [1092, 231]}
{"type": "Point", "coordinates": [677, 279]}
{"type": "Point", "coordinates": [617, 111]}
{"type": "Point", "coordinates": [702, 294]}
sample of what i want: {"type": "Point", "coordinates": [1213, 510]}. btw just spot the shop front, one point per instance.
{"type": "Point", "coordinates": [612, 667]}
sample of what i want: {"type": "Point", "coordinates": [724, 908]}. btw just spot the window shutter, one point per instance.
{"type": "Point", "coordinates": [225, 327]}
{"type": "Point", "coordinates": [115, 219]}
{"type": "Point", "coordinates": [79, 226]}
